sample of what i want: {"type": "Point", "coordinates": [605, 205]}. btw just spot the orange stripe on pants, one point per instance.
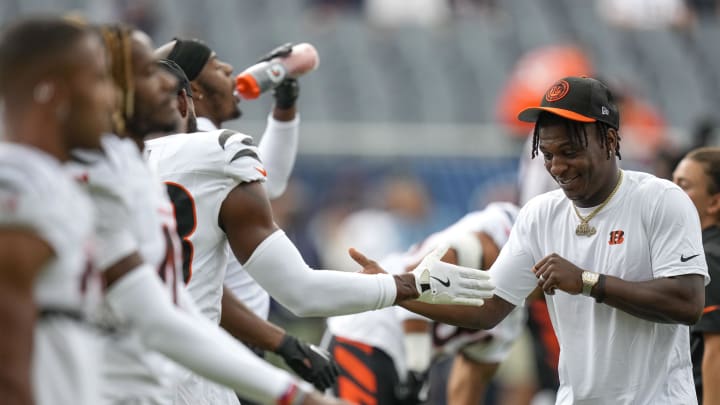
{"type": "Point", "coordinates": [362, 394]}
{"type": "Point", "coordinates": [367, 349]}
{"type": "Point", "coordinates": [356, 368]}
{"type": "Point", "coordinates": [351, 392]}
{"type": "Point", "coordinates": [711, 308]}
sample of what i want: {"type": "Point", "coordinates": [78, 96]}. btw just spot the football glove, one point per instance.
{"type": "Point", "coordinates": [311, 363]}
{"type": "Point", "coordinates": [280, 51]}
{"type": "Point", "coordinates": [439, 282]}
{"type": "Point", "coordinates": [286, 93]}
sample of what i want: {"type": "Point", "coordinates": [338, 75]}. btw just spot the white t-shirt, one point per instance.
{"type": "Point", "coordinates": [608, 356]}
{"type": "Point", "coordinates": [200, 170]}
{"type": "Point", "coordinates": [383, 328]}
{"type": "Point", "coordinates": [133, 214]}
{"type": "Point", "coordinates": [37, 194]}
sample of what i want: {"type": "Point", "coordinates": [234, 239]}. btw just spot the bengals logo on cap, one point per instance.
{"type": "Point", "coordinates": [558, 90]}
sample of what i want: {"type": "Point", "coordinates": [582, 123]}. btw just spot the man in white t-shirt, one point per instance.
{"type": "Point", "coordinates": [55, 96]}
{"type": "Point", "coordinates": [629, 242]}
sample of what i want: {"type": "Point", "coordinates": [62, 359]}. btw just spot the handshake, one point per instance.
{"type": "Point", "coordinates": [439, 282]}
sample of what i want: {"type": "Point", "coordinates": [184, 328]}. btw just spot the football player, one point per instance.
{"type": "Point", "coordinates": [55, 95]}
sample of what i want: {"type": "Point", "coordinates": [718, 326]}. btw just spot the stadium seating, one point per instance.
{"type": "Point", "coordinates": [448, 73]}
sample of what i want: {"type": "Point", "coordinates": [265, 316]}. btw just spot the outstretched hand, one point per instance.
{"type": "Point", "coordinates": [368, 266]}
{"type": "Point", "coordinates": [439, 282]}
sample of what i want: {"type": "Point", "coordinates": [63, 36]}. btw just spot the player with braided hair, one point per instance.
{"type": "Point", "coordinates": [145, 303]}
{"type": "Point", "coordinates": [117, 44]}
{"type": "Point", "coordinates": [135, 116]}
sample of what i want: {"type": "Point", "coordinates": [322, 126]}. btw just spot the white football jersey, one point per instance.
{"type": "Point", "coordinates": [383, 328]}
{"type": "Point", "coordinates": [133, 214]}
{"type": "Point", "coordinates": [36, 194]}
{"type": "Point", "coordinates": [200, 169]}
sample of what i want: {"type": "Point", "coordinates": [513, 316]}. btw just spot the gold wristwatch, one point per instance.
{"type": "Point", "coordinates": [589, 279]}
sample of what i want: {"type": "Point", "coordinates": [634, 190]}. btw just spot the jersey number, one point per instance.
{"type": "Point", "coordinates": [167, 270]}
{"type": "Point", "coordinates": [186, 220]}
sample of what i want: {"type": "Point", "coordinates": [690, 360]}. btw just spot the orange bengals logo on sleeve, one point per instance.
{"type": "Point", "coordinates": [558, 90]}
{"type": "Point", "coordinates": [617, 237]}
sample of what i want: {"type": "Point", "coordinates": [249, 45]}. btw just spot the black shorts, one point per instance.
{"type": "Point", "coordinates": [367, 374]}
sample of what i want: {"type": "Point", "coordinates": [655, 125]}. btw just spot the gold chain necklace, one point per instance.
{"type": "Point", "coordinates": [584, 229]}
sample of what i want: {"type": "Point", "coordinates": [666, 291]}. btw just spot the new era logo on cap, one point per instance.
{"type": "Point", "coordinates": [581, 99]}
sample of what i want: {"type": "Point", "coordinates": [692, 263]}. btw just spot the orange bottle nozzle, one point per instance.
{"type": "Point", "coordinates": [247, 86]}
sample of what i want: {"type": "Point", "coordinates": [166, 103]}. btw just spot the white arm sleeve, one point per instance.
{"type": "Point", "coordinates": [278, 149]}
{"type": "Point", "coordinates": [193, 342]}
{"type": "Point", "coordinates": [278, 267]}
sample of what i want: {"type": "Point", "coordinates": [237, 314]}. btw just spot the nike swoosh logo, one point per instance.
{"type": "Point", "coordinates": [446, 283]}
{"type": "Point", "coordinates": [261, 171]}
{"type": "Point", "coordinates": [684, 259]}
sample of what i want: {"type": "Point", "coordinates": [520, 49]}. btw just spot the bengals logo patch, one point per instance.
{"type": "Point", "coordinates": [558, 90]}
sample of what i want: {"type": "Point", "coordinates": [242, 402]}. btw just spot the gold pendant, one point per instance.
{"type": "Point", "coordinates": [585, 230]}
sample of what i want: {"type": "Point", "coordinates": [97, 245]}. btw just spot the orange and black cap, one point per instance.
{"type": "Point", "coordinates": [581, 99]}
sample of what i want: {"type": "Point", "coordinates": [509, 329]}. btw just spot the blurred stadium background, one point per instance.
{"type": "Point", "coordinates": [411, 111]}
{"type": "Point", "coordinates": [438, 79]}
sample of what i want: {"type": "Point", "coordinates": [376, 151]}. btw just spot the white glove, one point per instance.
{"type": "Point", "coordinates": [444, 283]}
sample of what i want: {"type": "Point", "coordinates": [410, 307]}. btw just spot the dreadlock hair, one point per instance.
{"type": "Point", "coordinates": [577, 131]}
{"type": "Point", "coordinates": [118, 43]}
{"type": "Point", "coordinates": [709, 159]}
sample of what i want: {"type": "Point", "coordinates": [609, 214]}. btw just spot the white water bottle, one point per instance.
{"type": "Point", "coordinates": [264, 76]}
